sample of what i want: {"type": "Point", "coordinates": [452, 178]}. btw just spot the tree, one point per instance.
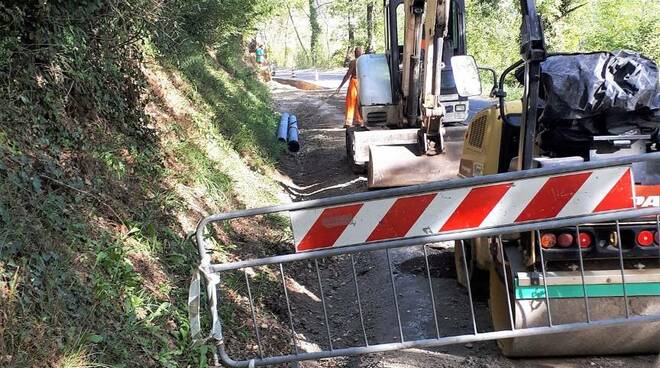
{"type": "Point", "coordinates": [361, 26]}
{"type": "Point", "coordinates": [370, 27]}
{"type": "Point", "coordinates": [315, 28]}
{"type": "Point", "coordinates": [295, 30]}
{"type": "Point", "coordinates": [633, 25]}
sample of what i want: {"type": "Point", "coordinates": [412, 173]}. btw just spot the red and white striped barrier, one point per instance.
{"type": "Point", "coordinates": [513, 202]}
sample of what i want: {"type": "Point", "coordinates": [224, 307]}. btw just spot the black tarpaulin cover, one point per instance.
{"type": "Point", "coordinates": [577, 86]}
{"type": "Point", "coordinates": [596, 94]}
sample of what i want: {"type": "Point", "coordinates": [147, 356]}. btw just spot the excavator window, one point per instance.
{"type": "Point", "coordinates": [400, 25]}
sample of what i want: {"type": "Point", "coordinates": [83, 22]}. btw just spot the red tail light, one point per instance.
{"type": "Point", "coordinates": [645, 238]}
{"type": "Point", "coordinates": [548, 240]}
{"type": "Point", "coordinates": [565, 240]}
{"type": "Point", "coordinates": [585, 240]}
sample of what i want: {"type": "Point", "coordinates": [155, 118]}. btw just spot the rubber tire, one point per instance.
{"type": "Point", "coordinates": [478, 278]}
{"type": "Point", "coordinates": [350, 157]}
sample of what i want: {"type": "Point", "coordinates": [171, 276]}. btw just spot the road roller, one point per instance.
{"type": "Point", "coordinates": [575, 108]}
{"type": "Point", "coordinates": [510, 268]}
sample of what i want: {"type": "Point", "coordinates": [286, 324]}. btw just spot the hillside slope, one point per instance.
{"type": "Point", "coordinates": [109, 155]}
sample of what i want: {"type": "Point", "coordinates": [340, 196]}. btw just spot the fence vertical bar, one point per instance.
{"type": "Point", "coordinates": [325, 311]}
{"type": "Point", "coordinates": [623, 276]}
{"type": "Point", "coordinates": [359, 301]}
{"type": "Point", "coordinates": [506, 282]}
{"type": "Point", "coordinates": [428, 276]}
{"type": "Point", "coordinates": [469, 288]}
{"type": "Point", "coordinates": [545, 279]}
{"type": "Point", "coordinates": [396, 299]}
{"type": "Point", "coordinates": [657, 229]}
{"type": "Point", "coordinates": [288, 307]}
{"type": "Point", "coordinates": [584, 285]}
{"type": "Point", "coordinates": [254, 315]}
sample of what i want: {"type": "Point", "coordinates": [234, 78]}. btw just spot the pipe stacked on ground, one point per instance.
{"type": "Point", "coordinates": [292, 139]}
{"type": "Point", "coordinates": [283, 128]}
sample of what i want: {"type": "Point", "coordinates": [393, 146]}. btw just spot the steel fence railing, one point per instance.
{"type": "Point", "coordinates": [273, 268]}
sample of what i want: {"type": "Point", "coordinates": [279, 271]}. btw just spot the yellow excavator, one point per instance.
{"type": "Point", "coordinates": [407, 141]}
{"type": "Point", "coordinates": [414, 116]}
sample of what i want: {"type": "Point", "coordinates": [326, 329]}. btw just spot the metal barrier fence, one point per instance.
{"type": "Point", "coordinates": [262, 342]}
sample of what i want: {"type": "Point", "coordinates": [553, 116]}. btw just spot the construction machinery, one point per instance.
{"type": "Point", "coordinates": [413, 114]}
{"type": "Point", "coordinates": [409, 141]}
{"type": "Point", "coordinates": [496, 145]}
{"type": "Point", "coordinates": [565, 236]}
{"type": "Point", "coordinates": [564, 265]}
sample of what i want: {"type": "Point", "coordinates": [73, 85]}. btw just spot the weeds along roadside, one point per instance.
{"type": "Point", "coordinates": [109, 154]}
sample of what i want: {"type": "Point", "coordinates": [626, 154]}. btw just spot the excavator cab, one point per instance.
{"type": "Point", "coordinates": [456, 106]}
{"type": "Point", "coordinates": [414, 115]}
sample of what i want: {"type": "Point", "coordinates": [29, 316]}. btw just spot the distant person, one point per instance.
{"type": "Point", "coordinates": [252, 46]}
{"type": "Point", "coordinates": [261, 54]}
{"type": "Point", "coordinates": [353, 116]}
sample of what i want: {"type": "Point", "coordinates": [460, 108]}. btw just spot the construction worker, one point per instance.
{"type": "Point", "coordinates": [261, 54]}
{"type": "Point", "coordinates": [353, 116]}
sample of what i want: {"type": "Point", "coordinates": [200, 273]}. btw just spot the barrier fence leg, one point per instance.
{"type": "Point", "coordinates": [469, 288]}
{"type": "Point", "coordinates": [359, 301]}
{"type": "Point", "coordinates": [288, 308]}
{"type": "Point", "coordinates": [584, 285]}
{"type": "Point", "coordinates": [254, 315]}
{"type": "Point", "coordinates": [623, 276]}
{"type": "Point", "coordinates": [325, 311]}
{"type": "Point", "coordinates": [506, 282]}
{"type": "Point", "coordinates": [428, 276]}
{"type": "Point", "coordinates": [396, 299]}
{"type": "Point", "coordinates": [545, 279]}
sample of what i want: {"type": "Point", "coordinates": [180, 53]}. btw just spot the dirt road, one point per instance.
{"type": "Point", "coordinates": [320, 170]}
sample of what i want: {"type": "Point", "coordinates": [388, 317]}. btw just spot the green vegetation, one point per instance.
{"type": "Point", "coordinates": [321, 34]}
{"type": "Point", "coordinates": [493, 28]}
{"type": "Point", "coordinates": [121, 124]}
{"type": "Point", "coordinates": [569, 25]}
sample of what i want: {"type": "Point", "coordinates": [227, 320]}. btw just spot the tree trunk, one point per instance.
{"type": "Point", "coordinates": [370, 27]}
{"type": "Point", "coordinates": [327, 28]}
{"type": "Point", "coordinates": [351, 40]}
{"type": "Point", "coordinates": [293, 25]}
{"type": "Point", "coordinates": [316, 31]}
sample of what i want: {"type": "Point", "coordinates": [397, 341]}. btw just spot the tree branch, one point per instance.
{"type": "Point", "coordinates": [293, 24]}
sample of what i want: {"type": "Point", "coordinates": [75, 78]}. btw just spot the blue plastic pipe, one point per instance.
{"type": "Point", "coordinates": [282, 129]}
{"type": "Point", "coordinates": [293, 144]}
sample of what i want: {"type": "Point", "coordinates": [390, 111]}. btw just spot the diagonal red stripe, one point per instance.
{"type": "Point", "coordinates": [620, 196]}
{"type": "Point", "coordinates": [475, 207]}
{"type": "Point", "coordinates": [553, 196]}
{"type": "Point", "coordinates": [401, 217]}
{"type": "Point", "coordinates": [328, 227]}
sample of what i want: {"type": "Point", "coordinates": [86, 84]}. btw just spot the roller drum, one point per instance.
{"type": "Point", "coordinates": [624, 339]}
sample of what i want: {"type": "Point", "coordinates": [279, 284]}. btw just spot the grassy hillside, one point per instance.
{"type": "Point", "coordinates": [113, 144]}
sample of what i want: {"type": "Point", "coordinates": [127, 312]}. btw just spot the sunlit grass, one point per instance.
{"type": "Point", "coordinates": [78, 355]}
